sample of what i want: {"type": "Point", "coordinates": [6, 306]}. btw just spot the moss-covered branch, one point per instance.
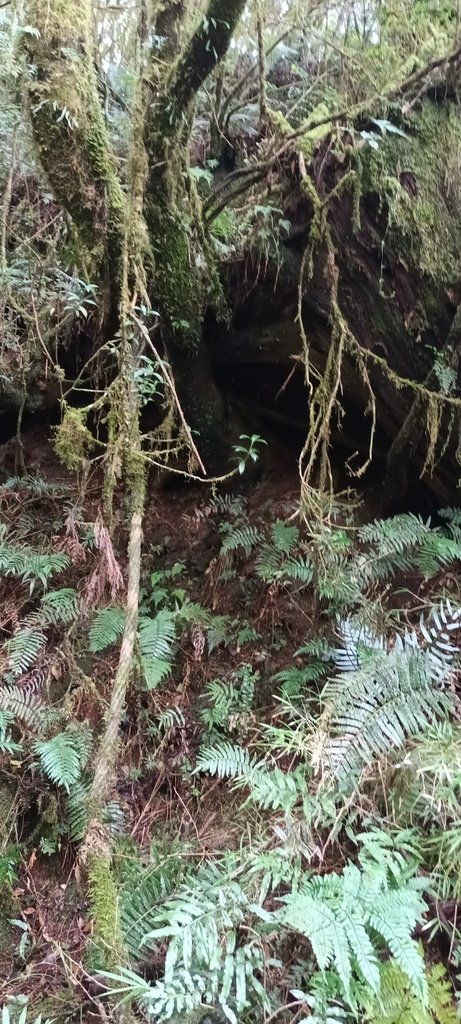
{"type": "Point", "coordinates": [70, 134]}
{"type": "Point", "coordinates": [206, 48]}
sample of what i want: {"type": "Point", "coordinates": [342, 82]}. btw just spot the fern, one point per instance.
{"type": "Point", "coordinates": [32, 566]}
{"type": "Point", "coordinates": [397, 1003]}
{"type": "Point", "coordinates": [377, 709]}
{"type": "Point", "coordinates": [22, 649]}
{"type": "Point", "coordinates": [437, 640]}
{"type": "Point", "coordinates": [58, 606]}
{"type": "Point", "coordinates": [341, 915]}
{"type": "Point", "coordinates": [204, 961]}
{"type": "Point", "coordinates": [405, 541]}
{"type": "Point", "coordinates": [238, 536]}
{"type": "Point", "coordinates": [22, 706]}
{"type": "Point", "coordinates": [106, 628]}
{"type": "Point", "coordinates": [156, 639]}
{"type": "Point", "coordinates": [224, 759]}
{"type": "Point", "coordinates": [63, 757]}
{"type": "Point", "coordinates": [276, 560]}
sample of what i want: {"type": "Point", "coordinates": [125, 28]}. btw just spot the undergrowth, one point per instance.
{"type": "Point", "coordinates": [315, 709]}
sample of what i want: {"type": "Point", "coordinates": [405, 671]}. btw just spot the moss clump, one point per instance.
{"type": "Point", "coordinates": [419, 179]}
{"type": "Point", "coordinates": [72, 440]}
{"type": "Point", "coordinates": [105, 949]}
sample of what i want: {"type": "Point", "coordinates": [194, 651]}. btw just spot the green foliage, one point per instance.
{"type": "Point", "coordinates": [376, 708]}
{"type": "Point", "coordinates": [30, 565]}
{"type": "Point", "coordinates": [229, 702]}
{"type": "Point", "coordinates": [21, 705]}
{"type": "Point", "coordinates": [341, 915]}
{"type": "Point", "coordinates": [398, 1004]}
{"type": "Point", "coordinates": [205, 963]}
{"type": "Point", "coordinates": [63, 757]}
{"type": "Point", "coordinates": [224, 759]}
{"type": "Point", "coordinates": [16, 1011]}
{"type": "Point", "coordinates": [106, 628]}
{"type": "Point", "coordinates": [156, 638]}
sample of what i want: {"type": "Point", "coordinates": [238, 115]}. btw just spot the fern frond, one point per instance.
{"type": "Point", "coordinates": [156, 639]}
{"type": "Point", "coordinates": [377, 708]}
{"type": "Point", "coordinates": [341, 914]}
{"type": "Point", "coordinates": [22, 649]}
{"type": "Point", "coordinates": [58, 606]}
{"type": "Point", "coordinates": [437, 636]}
{"type": "Point", "coordinates": [397, 1003]}
{"type": "Point", "coordinates": [31, 565]}
{"type": "Point", "coordinates": [62, 757]}
{"type": "Point", "coordinates": [224, 759]}
{"type": "Point", "coordinates": [23, 706]}
{"type": "Point", "coordinates": [106, 628]}
{"type": "Point", "coordinates": [239, 536]}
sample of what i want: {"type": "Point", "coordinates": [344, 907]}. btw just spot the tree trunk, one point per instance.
{"type": "Point", "coordinates": [186, 273]}
{"type": "Point", "coordinates": [72, 143]}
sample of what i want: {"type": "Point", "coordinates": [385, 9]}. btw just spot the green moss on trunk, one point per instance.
{"type": "Point", "coordinates": [70, 134]}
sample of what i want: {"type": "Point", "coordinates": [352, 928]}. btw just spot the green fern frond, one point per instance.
{"type": "Point", "coordinates": [58, 606]}
{"type": "Point", "coordinates": [437, 638]}
{"type": "Point", "coordinates": [224, 759]}
{"type": "Point", "coordinates": [140, 898]}
{"type": "Point", "coordinates": [76, 810]}
{"type": "Point", "coordinates": [435, 553]}
{"type": "Point", "coordinates": [21, 705]}
{"type": "Point", "coordinates": [341, 914]}
{"type": "Point", "coordinates": [22, 649]}
{"type": "Point", "coordinates": [31, 565]}
{"type": "Point", "coordinates": [377, 708]}
{"type": "Point", "coordinates": [156, 641]}
{"type": "Point", "coordinates": [274, 789]}
{"type": "Point", "coordinates": [62, 758]}
{"type": "Point", "coordinates": [239, 536]}
{"type": "Point", "coordinates": [397, 1003]}
{"type": "Point", "coordinates": [106, 628]}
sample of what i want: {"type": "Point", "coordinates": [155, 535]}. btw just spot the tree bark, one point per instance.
{"type": "Point", "coordinates": [186, 273]}
{"type": "Point", "coordinates": [71, 139]}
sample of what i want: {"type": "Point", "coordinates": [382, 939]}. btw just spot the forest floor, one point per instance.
{"type": "Point", "coordinates": [256, 631]}
{"type": "Point", "coordinates": [42, 953]}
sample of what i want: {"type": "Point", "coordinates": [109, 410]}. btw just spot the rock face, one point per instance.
{"type": "Point", "coordinates": [394, 245]}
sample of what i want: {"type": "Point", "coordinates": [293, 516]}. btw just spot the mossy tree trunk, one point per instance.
{"type": "Point", "coordinates": [71, 139]}
{"type": "Point", "coordinates": [186, 277]}
{"type": "Point", "coordinates": [72, 142]}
